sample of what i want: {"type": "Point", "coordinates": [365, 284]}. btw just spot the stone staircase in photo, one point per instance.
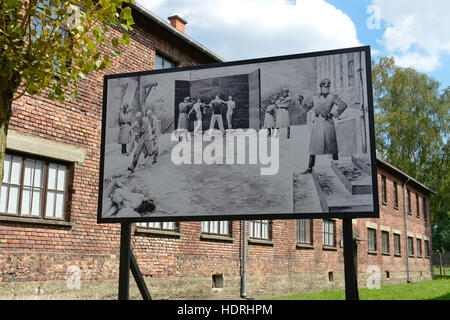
{"type": "Point", "coordinates": [345, 186]}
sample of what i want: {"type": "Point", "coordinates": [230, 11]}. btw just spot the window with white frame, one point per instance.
{"type": "Point", "coordinates": [168, 225]}
{"type": "Point", "coordinates": [221, 228]}
{"type": "Point", "coordinates": [328, 233]}
{"type": "Point", "coordinates": [34, 187]}
{"type": "Point", "coordinates": [259, 229]}
{"type": "Point", "coordinates": [304, 231]}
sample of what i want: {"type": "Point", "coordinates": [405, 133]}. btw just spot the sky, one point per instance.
{"type": "Point", "coordinates": [415, 32]}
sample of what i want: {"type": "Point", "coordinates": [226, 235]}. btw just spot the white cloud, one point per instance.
{"type": "Point", "coordinates": [375, 53]}
{"type": "Point", "coordinates": [241, 29]}
{"type": "Point", "coordinates": [425, 63]}
{"type": "Point", "coordinates": [417, 32]}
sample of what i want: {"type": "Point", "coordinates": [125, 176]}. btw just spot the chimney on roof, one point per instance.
{"type": "Point", "coordinates": [178, 23]}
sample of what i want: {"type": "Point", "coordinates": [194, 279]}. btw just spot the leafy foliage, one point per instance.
{"type": "Point", "coordinates": [52, 44]}
{"type": "Point", "coordinates": [412, 131]}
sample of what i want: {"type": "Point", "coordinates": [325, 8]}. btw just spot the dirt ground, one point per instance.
{"type": "Point", "coordinates": [216, 188]}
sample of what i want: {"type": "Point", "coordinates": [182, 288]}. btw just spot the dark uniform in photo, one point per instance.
{"type": "Point", "coordinates": [216, 105]}
{"type": "Point", "coordinates": [183, 118]}
{"type": "Point", "coordinates": [282, 114]}
{"type": "Point", "coordinates": [323, 133]}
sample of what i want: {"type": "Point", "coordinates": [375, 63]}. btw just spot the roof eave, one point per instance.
{"type": "Point", "coordinates": [407, 177]}
{"type": "Point", "coordinates": [175, 32]}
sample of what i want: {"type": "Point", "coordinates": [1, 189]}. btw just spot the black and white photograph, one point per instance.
{"type": "Point", "coordinates": [288, 136]}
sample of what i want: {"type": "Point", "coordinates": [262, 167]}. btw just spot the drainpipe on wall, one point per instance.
{"type": "Point", "coordinates": [406, 230]}
{"type": "Point", "coordinates": [244, 261]}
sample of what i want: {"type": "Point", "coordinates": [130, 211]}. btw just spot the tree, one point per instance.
{"type": "Point", "coordinates": [412, 131]}
{"type": "Point", "coordinates": [48, 46]}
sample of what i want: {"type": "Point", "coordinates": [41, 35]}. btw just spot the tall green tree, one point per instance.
{"type": "Point", "coordinates": [48, 46]}
{"type": "Point", "coordinates": [412, 131]}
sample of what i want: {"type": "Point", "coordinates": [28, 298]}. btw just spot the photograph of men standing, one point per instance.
{"type": "Point", "coordinates": [323, 133]}
{"type": "Point", "coordinates": [217, 105]}
{"type": "Point", "coordinates": [183, 118]}
{"type": "Point", "coordinates": [230, 107]}
{"type": "Point", "coordinates": [282, 114]}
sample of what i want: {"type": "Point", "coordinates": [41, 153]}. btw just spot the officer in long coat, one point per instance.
{"type": "Point", "coordinates": [323, 132]}
{"type": "Point", "coordinates": [125, 127]}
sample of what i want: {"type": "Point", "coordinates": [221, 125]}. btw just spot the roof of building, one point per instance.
{"type": "Point", "coordinates": [153, 17]}
{"type": "Point", "coordinates": [404, 175]}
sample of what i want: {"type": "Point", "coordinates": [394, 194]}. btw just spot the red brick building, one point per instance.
{"type": "Point", "coordinates": [48, 209]}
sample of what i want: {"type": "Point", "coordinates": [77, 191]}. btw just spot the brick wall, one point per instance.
{"type": "Point", "coordinates": [92, 246]}
{"type": "Point", "coordinates": [43, 252]}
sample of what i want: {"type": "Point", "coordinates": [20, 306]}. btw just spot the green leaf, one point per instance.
{"type": "Point", "coordinates": [73, 95]}
{"type": "Point", "coordinates": [44, 56]}
{"type": "Point", "coordinates": [125, 39]}
{"type": "Point", "coordinates": [125, 14]}
{"type": "Point", "coordinates": [115, 42]}
{"type": "Point", "coordinates": [58, 90]}
{"type": "Point", "coordinates": [106, 59]}
{"type": "Point", "coordinates": [82, 75]}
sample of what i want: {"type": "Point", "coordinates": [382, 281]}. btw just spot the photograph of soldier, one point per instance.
{"type": "Point", "coordinates": [269, 120]}
{"type": "Point", "coordinates": [183, 118]}
{"type": "Point", "coordinates": [134, 133]}
{"type": "Point", "coordinates": [313, 156]}
{"type": "Point", "coordinates": [197, 108]}
{"type": "Point", "coordinates": [144, 136]}
{"type": "Point", "coordinates": [323, 133]}
{"type": "Point", "coordinates": [124, 121]}
{"type": "Point", "coordinates": [216, 116]}
{"type": "Point", "coordinates": [230, 107]}
{"type": "Point", "coordinates": [282, 113]}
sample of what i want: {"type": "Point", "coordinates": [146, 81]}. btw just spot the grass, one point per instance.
{"type": "Point", "coordinates": [424, 290]}
{"type": "Point", "coordinates": [445, 273]}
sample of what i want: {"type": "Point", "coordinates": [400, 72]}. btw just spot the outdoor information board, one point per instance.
{"type": "Point", "coordinates": [285, 137]}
